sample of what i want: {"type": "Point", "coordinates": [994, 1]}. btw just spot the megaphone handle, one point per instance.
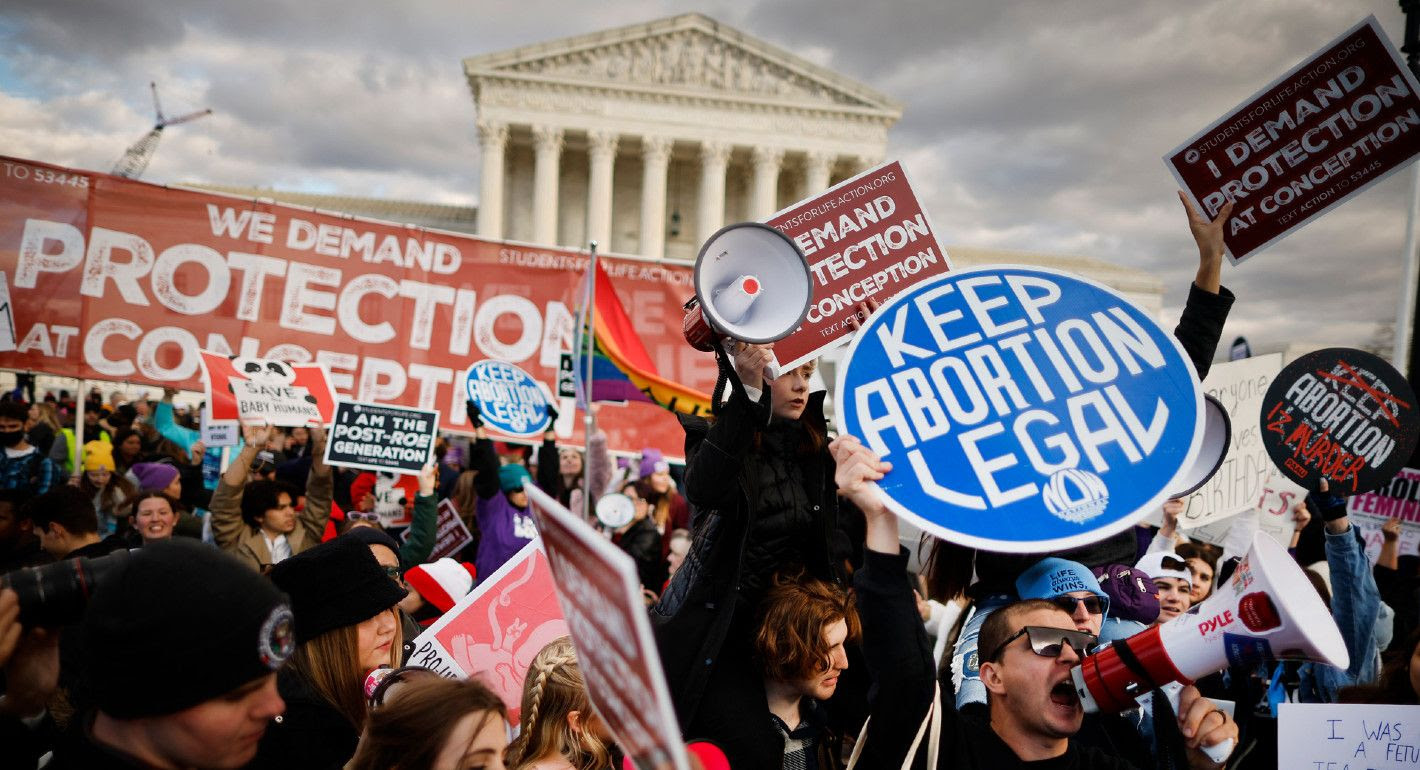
{"type": "Point", "coordinates": [771, 369]}
{"type": "Point", "coordinates": [1218, 752]}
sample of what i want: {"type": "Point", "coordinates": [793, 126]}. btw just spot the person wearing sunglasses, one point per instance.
{"type": "Point", "coordinates": [1069, 585]}
{"type": "Point", "coordinates": [1029, 648]}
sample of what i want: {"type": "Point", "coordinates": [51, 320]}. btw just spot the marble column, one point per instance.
{"type": "Point", "coordinates": [492, 139]}
{"type": "Point", "coordinates": [547, 157]}
{"type": "Point", "coordinates": [764, 194]}
{"type": "Point", "coordinates": [711, 216]}
{"type": "Point", "coordinates": [655, 158]}
{"type": "Point", "coordinates": [601, 154]}
{"type": "Point", "coordinates": [816, 168]}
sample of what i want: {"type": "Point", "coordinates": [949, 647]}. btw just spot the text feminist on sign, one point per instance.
{"type": "Point", "coordinates": [1342, 414]}
{"type": "Point", "coordinates": [509, 398]}
{"type": "Point", "coordinates": [1022, 409]}
{"type": "Point", "coordinates": [1334, 125]}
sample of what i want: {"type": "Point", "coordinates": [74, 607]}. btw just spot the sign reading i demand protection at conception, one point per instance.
{"type": "Point", "coordinates": [1344, 119]}
{"type": "Point", "coordinates": [1022, 409]}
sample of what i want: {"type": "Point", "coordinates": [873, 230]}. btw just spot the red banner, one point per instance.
{"type": "Point", "coordinates": [1344, 119]}
{"type": "Point", "coordinates": [119, 280]}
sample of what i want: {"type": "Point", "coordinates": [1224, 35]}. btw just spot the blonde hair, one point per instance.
{"type": "Point", "coordinates": [330, 665]}
{"type": "Point", "coordinates": [553, 689]}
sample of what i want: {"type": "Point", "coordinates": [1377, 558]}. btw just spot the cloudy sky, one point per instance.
{"type": "Point", "coordinates": [1027, 124]}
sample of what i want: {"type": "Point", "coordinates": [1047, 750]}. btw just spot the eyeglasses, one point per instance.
{"type": "Point", "coordinates": [1048, 642]}
{"type": "Point", "coordinates": [1095, 605]}
{"type": "Point", "coordinates": [362, 516]}
{"type": "Point", "coordinates": [394, 574]}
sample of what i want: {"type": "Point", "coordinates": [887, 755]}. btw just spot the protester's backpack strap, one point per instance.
{"type": "Point", "coordinates": [934, 740]}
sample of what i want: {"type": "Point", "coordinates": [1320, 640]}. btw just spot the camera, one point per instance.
{"type": "Point", "coordinates": [56, 594]}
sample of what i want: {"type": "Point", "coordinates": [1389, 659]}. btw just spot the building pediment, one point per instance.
{"type": "Point", "coordinates": [688, 55]}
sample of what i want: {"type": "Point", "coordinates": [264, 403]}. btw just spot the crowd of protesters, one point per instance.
{"type": "Point", "coordinates": [257, 609]}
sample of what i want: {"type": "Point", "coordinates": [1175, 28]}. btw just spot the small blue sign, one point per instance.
{"type": "Point", "coordinates": [509, 398]}
{"type": "Point", "coordinates": [1023, 409]}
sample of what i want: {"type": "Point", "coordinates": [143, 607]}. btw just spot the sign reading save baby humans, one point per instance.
{"type": "Point", "coordinates": [1022, 409]}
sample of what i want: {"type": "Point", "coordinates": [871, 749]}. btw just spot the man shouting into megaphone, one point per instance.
{"type": "Point", "coordinates": [1028, 650]}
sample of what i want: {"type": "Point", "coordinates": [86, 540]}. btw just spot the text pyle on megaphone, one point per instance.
{"type": "Point", "coordinates": [752, 284]}
{"type": "Point", "coordinates": [1267, 610]}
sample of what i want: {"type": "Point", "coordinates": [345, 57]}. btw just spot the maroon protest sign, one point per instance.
{"type": "Point", "coordinates": [1344, 119]}
{"type": "Point", "coordinates": [601, 600]}
{"type": "Point", "coordinates": [450, 535]}
{"type": "Point", "coordinates": [866, 238]}
{"type": "Point", "coordinates": [1343, 415]}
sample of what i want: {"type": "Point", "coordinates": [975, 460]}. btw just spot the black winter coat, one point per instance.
{"type": "Point", "coordinates": [311, 734]}
{"type": "Point", "coordinates": [704, 622]}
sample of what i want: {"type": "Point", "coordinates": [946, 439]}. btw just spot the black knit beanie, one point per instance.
{"type": "Point", "coordinates": [218, 624]}
{"type": "Point", "coordinates": [337, 583]}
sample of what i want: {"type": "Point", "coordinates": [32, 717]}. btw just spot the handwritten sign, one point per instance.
{"type": "Point", "coordinates": [375, 437]}
{"type": "Point", "coordinates": [1342, 414]}
{"type": "Point", "coordinates": [1344, 119]}
{"type": "Point", "coordinates": [495, 631]}
{"type": "Point", "coordinates": [7, 316]}
{"type": "Point", "coordinates": [1022, 409]}
{"type": "Point", "coordinates": [601, 599]}
{"type": "Point", "coordinates": [1239, 386]}
{"type": "Point", "coordinates": [1399, 498]}
{"type": "Point", "coordinates": [866, 238]}
{"type": "Point", "coordinates": [1352, 736]}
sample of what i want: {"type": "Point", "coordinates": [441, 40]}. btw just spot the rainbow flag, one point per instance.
{"type": "Point", "coordinates": [621, 367]}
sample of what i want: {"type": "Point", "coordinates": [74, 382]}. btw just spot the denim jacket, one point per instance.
{"type": "Point", "coordinates": [1355, 605]}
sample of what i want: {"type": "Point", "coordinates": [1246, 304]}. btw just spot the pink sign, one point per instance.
{"type": "Point", "coordinates": [494, 633]}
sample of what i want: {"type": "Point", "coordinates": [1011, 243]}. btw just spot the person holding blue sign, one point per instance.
{"type": "Point", "coordinates": [504, 524]}
{"type": "Point", "coordinates": [760, 482]}
{"type": "Point", "coordinates": [1197, 333]}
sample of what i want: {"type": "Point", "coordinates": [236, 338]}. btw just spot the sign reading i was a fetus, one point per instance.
{"type": "Point", "coordinates": [1022, 409]}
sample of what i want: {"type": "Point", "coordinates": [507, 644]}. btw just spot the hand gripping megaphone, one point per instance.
{"type": "Point", "coordinates": [1266, 611]}
{"type": "Point", "coordinates": [752, 284]}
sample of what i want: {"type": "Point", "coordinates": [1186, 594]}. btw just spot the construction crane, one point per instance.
{"type": "Point", "coordinates": [135, 161]}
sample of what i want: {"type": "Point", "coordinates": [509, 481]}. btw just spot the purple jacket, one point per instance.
{"type": "Point", "coordinates": [504, 531]}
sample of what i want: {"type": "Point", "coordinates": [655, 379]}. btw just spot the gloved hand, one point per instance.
{"type": "Point", "coordinates": [475, 415]}
{"type": "Point", "coordinates": [552, 413]}
{"type": "Point", "coordinates": [1328, 505]}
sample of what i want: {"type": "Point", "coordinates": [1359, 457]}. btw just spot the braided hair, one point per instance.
{"type": "Point", "coordinates": [552, 690]}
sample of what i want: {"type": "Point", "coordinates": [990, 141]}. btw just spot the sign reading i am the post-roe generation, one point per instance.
{"type": "Point", "coordinates": [1344, 119]}
{"type": "Point", "coordinates": [1022, 409]}
{"type": "Point", "coordinates": [376, 437]}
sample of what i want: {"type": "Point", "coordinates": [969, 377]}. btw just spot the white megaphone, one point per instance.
{"type": "Point", "coordinates": [752, 284]}
{"type": "Point", "coordinates": [1266, 611]}
{"type": "Point", "coordinates": [1217, 437]}
{"type": "Point", "coordinates": [615, 510]}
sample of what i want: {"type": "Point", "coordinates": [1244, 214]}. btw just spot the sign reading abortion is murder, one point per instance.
{"type": "Point", "coordinates": [510, 399]}
{"type": "Point", "coordinates": [1342, 414]}
{"type": "Point", "coordinates": [1344, 119]}
{"type": "Point", "coordinates": [866, 238]}
{"type": "Point", "coordinates": [1022, 409]}
{"type": "Point", "coordinates": [381, 438]}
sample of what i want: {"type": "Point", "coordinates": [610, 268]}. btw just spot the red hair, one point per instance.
{"type": "Point", "coordinates": [790, 644]}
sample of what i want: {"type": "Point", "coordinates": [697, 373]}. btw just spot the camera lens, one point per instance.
{"type": "Point", "coordinates": [56, 594]}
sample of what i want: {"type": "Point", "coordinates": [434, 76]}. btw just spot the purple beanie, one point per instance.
{"type": "Point", "coordinates": [652, 461]}
{"type": "Point", "coordinates": [154, 477]}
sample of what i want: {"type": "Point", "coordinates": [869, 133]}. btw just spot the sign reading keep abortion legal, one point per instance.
{"type": "Point", "coordinates": [1023, 409]}
{"type": "Point", "coordinates": [509, 397]}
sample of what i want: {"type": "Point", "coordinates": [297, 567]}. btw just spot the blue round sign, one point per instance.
{"type": "Point", "coordinates": [1023, 409]}
{"type": "Point", "coordinates": [509, 398]}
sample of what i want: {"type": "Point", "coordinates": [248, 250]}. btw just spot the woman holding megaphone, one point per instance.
{"type": "Point", "coordinates": [760, 481]}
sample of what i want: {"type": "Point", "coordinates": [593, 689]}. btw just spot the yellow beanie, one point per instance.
{"type": "Point", "coordinates": [98, 454]}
